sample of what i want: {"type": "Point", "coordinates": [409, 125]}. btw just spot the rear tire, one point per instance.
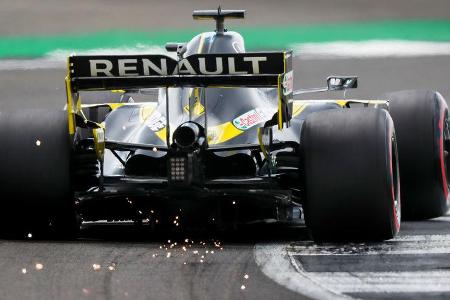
{"type": "Point", "coordinates": [351, 175]}
{"type": "Point", "coordinates": [35, 181]}
{"type": "Point", "coordinates": [421, 122]}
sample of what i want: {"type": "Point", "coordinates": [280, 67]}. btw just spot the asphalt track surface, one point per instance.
{"type": "Point", "coordinates": [29, 17]}
{"type": "Point", "coordinates": [120, 261]}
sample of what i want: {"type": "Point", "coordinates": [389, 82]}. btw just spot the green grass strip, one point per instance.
{"type": "Point", "coordinates": [268, 37]}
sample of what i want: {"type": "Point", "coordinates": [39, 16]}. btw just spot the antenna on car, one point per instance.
{"type": "Point", "coordinates": [219, 16]}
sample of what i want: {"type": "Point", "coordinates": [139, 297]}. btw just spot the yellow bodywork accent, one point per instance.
{"type": "Point", "coordinates": [146, 111]}
{"type": "Point", "coordinates": [78, 104]}
{"type": "Point", "coordinates": [222, 133]}
{"type": "Point", "coordinates": [280, 104]}
{"type": "Point", "coordinates": [261, 144]}
{"type": "Point", "coordinates": [114, 106]}
{"type": "Point", "coordinates": [342, 103]}
{"type": "Point", "coordinates": [99, 142]}
{"type": "Point", "coordinates": [70, 112]}
{"type": "Point", "coordinates": [298, 107]}
{"type": "Point", "coordinates": [198, 108]}
{"type": "Point", "coordinates": [162, 134]}
{"type": "Point", "coordinates": [280, 94]}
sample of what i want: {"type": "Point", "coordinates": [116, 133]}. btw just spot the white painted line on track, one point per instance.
{"type": "Point", "coordinates": [47, 63]}
{"type": "Point", "coordinates": [305, 51]}
{"type": "Point", "coordinates": [384, 282]}
{"type": "Point", "coordinates": [406, 264]}
{"type": "Point", "coordinates": [417, 244]}
{"type": "Point", "coordinates": [276, 264]}
{"type": "Point", "coordinates": [58, 58]}
{"type": "Point", "coordinates": [370, 49]}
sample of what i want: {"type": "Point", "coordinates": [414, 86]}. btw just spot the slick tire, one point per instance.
{"type": "Point", "coordinates": [35, 181]}
{"type": "Point", "coordinates": [422, 127]}
{"type": "Point", "coordinates": [350, 175]}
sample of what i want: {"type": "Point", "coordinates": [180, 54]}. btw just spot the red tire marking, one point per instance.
{"type": "Point", "coordinates": [394, 209]}
{"type": "Point", "coordinates": [441, 153]}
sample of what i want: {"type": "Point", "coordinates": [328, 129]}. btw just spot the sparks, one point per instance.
{"type": "Point", "coordinates": [38, 143]}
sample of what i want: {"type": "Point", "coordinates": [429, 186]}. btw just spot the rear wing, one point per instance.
{"type": "Point", "coordinates": [123, 72]}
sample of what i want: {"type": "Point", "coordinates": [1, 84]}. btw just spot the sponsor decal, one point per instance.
{"type": "Point", "coordinates": [129, 67]}
{"type": "Point", "coordinates": [288, 83]}
{"type": "Point", "coordinates": [156, 122]}
{"type": "Point", "coordinates": [336, 81]}
{"type": "Point", "coordinates": [249, 119]}
{"type": "Point", "coordinates": [161, 65]}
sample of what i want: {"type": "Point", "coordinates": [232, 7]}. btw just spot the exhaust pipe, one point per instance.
{"type": "Point", "coordinates": [189, 135]}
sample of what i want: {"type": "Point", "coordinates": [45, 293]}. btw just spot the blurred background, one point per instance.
{"type": "Point", "coordinates": [389, 44]}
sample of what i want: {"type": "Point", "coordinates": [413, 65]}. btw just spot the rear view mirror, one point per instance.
{"type": "Point", "coordinates": [337, 83]}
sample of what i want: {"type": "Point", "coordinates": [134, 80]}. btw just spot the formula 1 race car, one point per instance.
{"type": "Point", "coordinates": [211, 134]}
